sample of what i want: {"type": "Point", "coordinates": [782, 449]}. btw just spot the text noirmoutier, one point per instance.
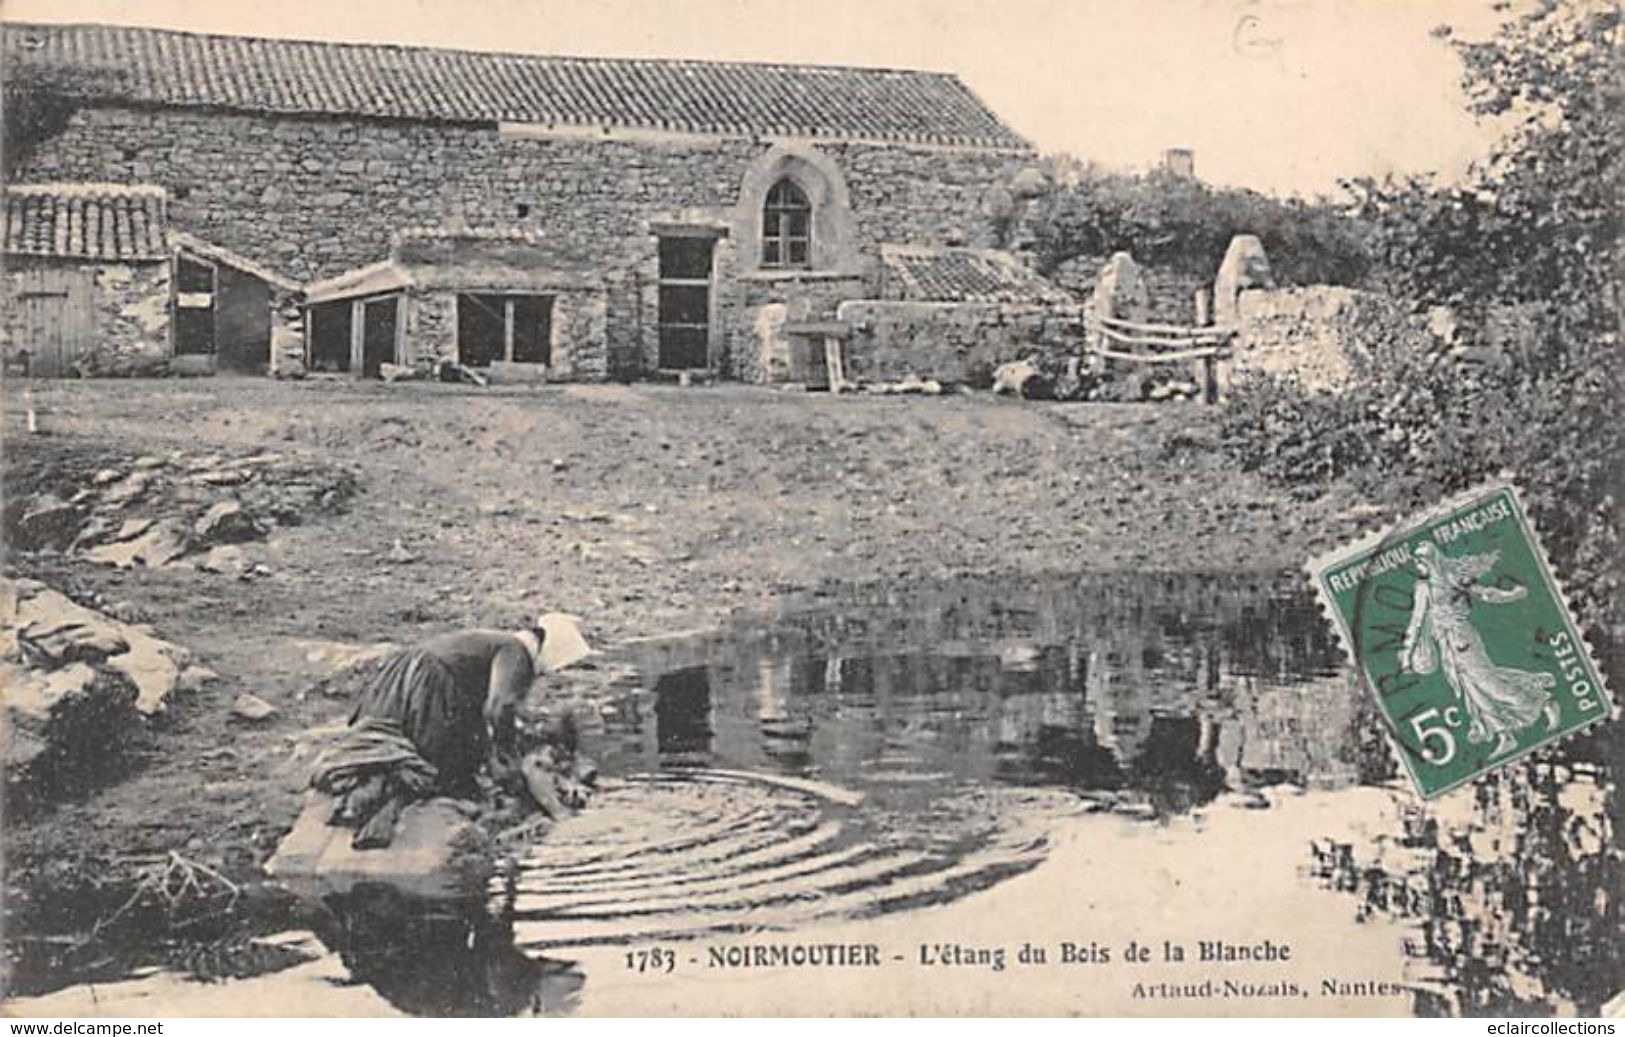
{"type": "Point", "coordinates": [869, 955]}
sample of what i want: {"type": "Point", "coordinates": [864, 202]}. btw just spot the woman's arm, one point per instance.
{"type": "Point", "coordinates": [1496, 595]}
{"type": "Point", "coordinates": [511, 678]}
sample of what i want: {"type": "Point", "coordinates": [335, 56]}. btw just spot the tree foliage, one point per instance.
{"type": "Point", "coordinates": [1185, 225]}
{"type": "Point", "coordinates": [39, 97]}
{"type": "Point", "coordinates": [1534, 231]}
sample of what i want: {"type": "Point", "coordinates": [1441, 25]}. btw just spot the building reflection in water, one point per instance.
{"type": "Point", "coordinates": [1167, 688]}
{"type": "Point", "coordinates": [1162, 692]}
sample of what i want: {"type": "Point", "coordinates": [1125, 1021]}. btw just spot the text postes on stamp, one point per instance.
{"type": "Point", "coordinates": [1457, 626]}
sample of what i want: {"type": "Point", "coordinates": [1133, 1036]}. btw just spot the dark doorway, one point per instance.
{"type": "Point", "coordinates": [328, 331]}
{"type": "Point", "coordinates": [379, 323]}
{"type": "Point", "coordinates": [481, 328]}
{"type": "Point", "coordinates": [242, 321]}
{"type": "Point", "coordinates": [685, 302]}
{"type": "Point", "coordinates": [194, 307]}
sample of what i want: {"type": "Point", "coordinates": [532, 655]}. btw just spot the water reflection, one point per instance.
{"type": "Point", "coordinates": [1167, 689]}
{"type": "Point", "coordinates": [1513, 888]}
{"type": "Point", "coordinates": [437, 958]}
{"type": "Point", "coordinates": [966, 710]}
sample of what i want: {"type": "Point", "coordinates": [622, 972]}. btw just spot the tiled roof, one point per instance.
{"type": "Point", "coordinates": [152, 66]}
{"type": "Point", "coordinates": [924, 274]}
{"type": "Point", "coordinates": [85, 221]}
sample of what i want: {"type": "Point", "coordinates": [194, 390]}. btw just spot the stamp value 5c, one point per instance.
{"type": "Point", "coordinates": [1458, 627]}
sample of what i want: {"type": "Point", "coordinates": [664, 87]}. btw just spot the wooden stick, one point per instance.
{"type": "Point", "coordinates": [1163, 358]}
{"type": "Point", "coordinates": [1155, 329]}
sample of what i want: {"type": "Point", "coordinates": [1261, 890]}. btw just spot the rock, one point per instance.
{"type": "Point", "coordinates": [227, 559]}
{"type": "Point", "coordinates": [1120, 290]}
{"type": "Point", "coordinates": [224, 476]}
{"type": "Point", "coordinates": [1245, 266]}
{"type": "Point", "coordinates": [34, 694]}
{"type": "Point", "coordinates": [227, 521]}
{"type": "Point", "coordinates": [162, 543]}
{"type": "Point", "coordinates": [438, 851]}
{"type": "Point", "coordinates": [66, 631]}
{"type": "Point", "coordinates": [194, 677]}
{"type": "Point", "coordinates": [129, 488]}
{"type": "Point", "coordinates": [105, 476]}
{"type": "Point", "coordinates": [399, 555]}
{"type": "Point", "coordinates": [46, 522]}
{"type": "Point", "coordinates": [77, 713]}
{"type": "Point", "coordinates": [1009, 378]}
{"type": "Point", "coordinates": [60, 644]}
{"type": "Point", "coordinates": [252, 708]}
{"type": "Point", "coordinates": [148, 461]}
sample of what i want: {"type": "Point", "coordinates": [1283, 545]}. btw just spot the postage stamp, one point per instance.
{"type": "Point", "coordinates": [1459, 629]}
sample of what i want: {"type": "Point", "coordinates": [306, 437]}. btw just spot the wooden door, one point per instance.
{"type": "Point", "coordinates": [685, 302]}
{"type": "Point", "coordinates": [56, 323]}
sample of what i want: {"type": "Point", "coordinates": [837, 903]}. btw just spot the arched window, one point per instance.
{"type": "Point", "coordinates": [786, 227]}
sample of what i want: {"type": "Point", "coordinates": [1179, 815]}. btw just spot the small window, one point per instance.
{"type": "Point", "coordinates": [523, 209]}
{"type": "Point", "coordinates": [786, 227]}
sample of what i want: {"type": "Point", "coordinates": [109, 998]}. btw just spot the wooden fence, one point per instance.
{"type": "Point", "coordinates": [1132, 342]}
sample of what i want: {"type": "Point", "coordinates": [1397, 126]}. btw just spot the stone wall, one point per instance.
{"type": "Point", "coordinates": [952, 342]}
{"type": "Point", "coordinates": [577, 344]}
{"type": "Point", "coordinates": [1317, 335]}
{"type": "Point", "coordinates": [132, 302]}
{"type": "Point", "coordinates": [129, 309]}
{"type": "Point", "coordinates": [314, 197]}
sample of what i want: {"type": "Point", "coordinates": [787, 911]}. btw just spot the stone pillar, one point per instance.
{"type": "Point", "coordinates": [1120, 292]}
{"type": "Point", "coordinates": [1245, 266]}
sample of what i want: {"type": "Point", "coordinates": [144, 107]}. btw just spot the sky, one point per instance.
{"type": "Point", "coordinates": [1283, 96]}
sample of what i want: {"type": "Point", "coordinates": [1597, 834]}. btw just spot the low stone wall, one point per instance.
{"type": "Point", "coordinates": [1316, 335]}
{"type": "Point", "coordinates": [760, 351]}
{"type": "Point", "coordinates": [952, 342]}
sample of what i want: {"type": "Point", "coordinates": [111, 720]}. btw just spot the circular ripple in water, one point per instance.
{"type": "Point", "coordinates": [682, 856]}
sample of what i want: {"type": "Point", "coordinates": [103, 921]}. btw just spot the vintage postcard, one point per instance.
{"type": "Point", "coordinates": [755, 508]}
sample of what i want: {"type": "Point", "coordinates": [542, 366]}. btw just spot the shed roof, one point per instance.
{"type": "Point", "coordinates": [163, 67]}
{"type": "Point", "coordinates": [918, 273]}
{"type": "Point", "coordinates": [86, 221]}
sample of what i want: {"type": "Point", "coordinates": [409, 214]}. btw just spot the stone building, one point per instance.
{"type": "Point", "coordinates": [97, 281]}
{"type": "Point", "coordinates": [679, 198]}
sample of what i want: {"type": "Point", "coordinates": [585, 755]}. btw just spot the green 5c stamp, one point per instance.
{"type": "Point", "coordinates": [1457, 626]}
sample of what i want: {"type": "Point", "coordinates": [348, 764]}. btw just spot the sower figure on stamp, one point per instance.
{"type": "Point", "coordinates": [1499, 700]}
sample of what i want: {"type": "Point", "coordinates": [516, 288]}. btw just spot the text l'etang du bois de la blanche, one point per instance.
{"type": "Point", "coordinates": [1206, 969]}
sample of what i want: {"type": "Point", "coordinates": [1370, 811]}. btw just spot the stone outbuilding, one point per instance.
{"type": "Point", "coordinates": [477, 298]}
{"type": "Point", "coordinates": [685, 199]}
{"type": "Point", "coordinates": [88, 276]}
{"type": "Point", "coordinates": [98, 282]}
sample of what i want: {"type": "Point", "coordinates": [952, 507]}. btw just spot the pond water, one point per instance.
{"type": "Point", "coordinates": [988, 762]}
